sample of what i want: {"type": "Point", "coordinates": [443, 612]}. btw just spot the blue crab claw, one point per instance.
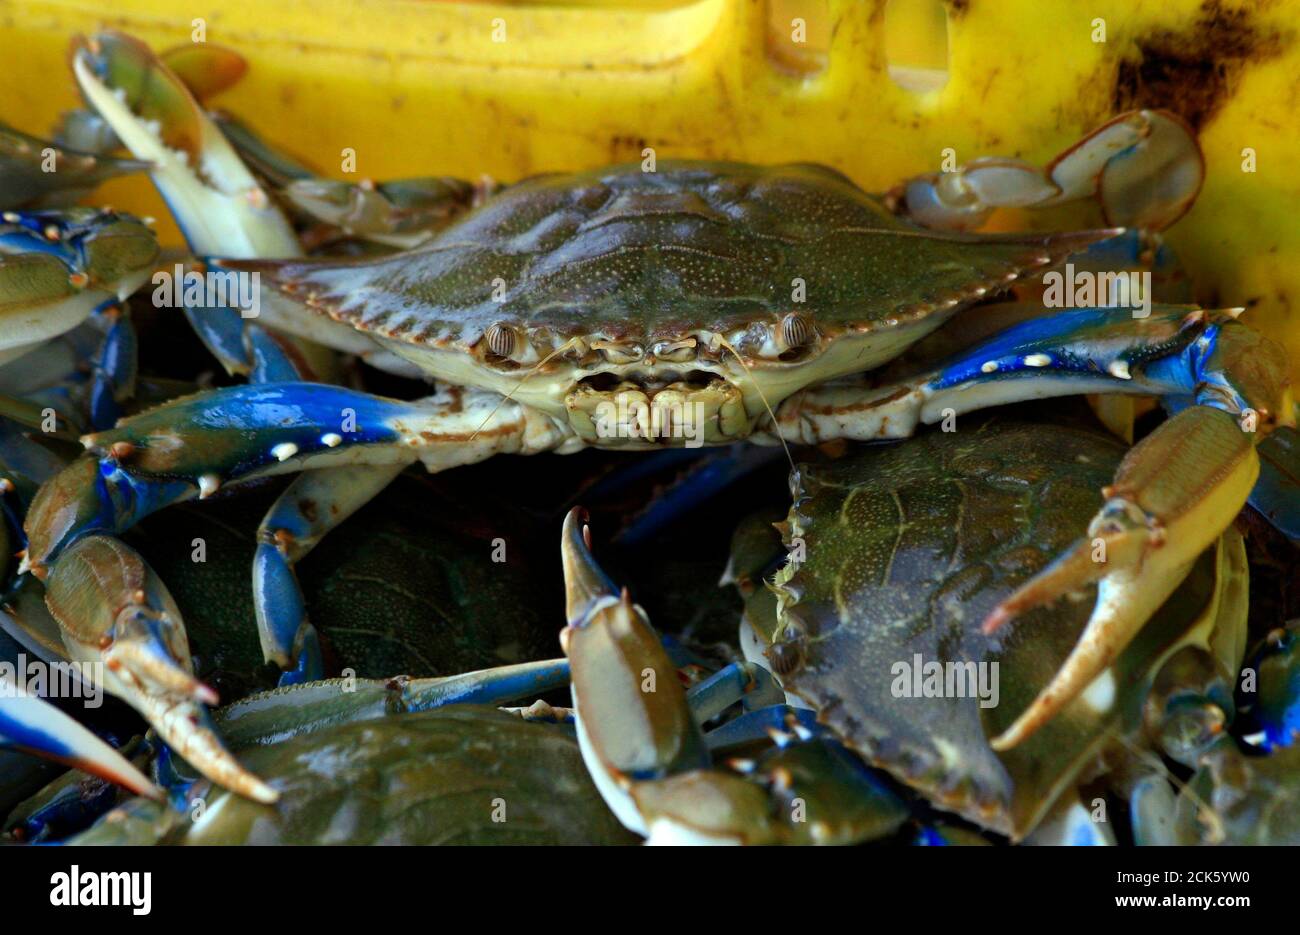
{"type": "Point", "coordinates": [1172, 495]}
{"type": "Point", "coordinates": [194, 445]}
{"type": "Point", "coordinates": [614, 653]}
{"type": "Point", "coordinates": [639, 733]}
{"type": "Point", "coordinates": [115, 616]}
{"type": "Point", "coordinates": [215, 199]}
{"type": "Point", "coordinates": [58, 267]}
{"type": "Point", "coordinates": [347, 445]}
{"type": "Point", "coordinates": [1176, 491]}
{"type": "Point", "coordinates": [1277, 494]}
{"type": "Point", "coordinates": [205, 69]}
{"type": "Point", "coordinates": [31, 724]}
{"type": "Point", "coordinates": [1144, 167]}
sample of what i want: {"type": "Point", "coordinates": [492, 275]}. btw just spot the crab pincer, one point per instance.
{"type": "Point", "coordinates": [196, 170]}
{"type": "Point", "coordinates": [113, 611]}
{"type": "Point", "coordinates": [1172, 495]}
{"type": "Point", "coordinates": [1143, 167]}
{"type": "Point", "coordinates": [31, 724]}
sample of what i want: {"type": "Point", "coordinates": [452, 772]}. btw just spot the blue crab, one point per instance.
{"type": "Point", "coordinates": [699, 303]}
{"type": "Point", "coordinates": [901, 552]}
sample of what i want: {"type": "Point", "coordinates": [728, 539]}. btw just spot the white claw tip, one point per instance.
{"type": "Point", "coordinates": [208, 484]}
{"type": "Point", "coordinates": [1119, 369]}
{"type": "Point", "coordinates": [284, 451]}
{"type": "Point", "coordinates": [1037, 360]}
{"type": "Point", "coordinates": [989, 366]}
{"type": "Point", "coordinates": [331, 439]}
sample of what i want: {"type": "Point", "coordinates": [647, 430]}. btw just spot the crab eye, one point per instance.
{"type": "Point", "coordinates": [789, 651]}
{"type": "Point", "coordinates": [502, 340]}
{"type": "Point", "coordinates": [796, 331]}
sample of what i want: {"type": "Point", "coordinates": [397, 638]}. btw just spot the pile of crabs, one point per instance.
{"type": "Point", "coordinates": [958, 603]}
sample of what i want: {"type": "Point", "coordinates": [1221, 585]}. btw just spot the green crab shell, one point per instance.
{"type": "Point", "coordinates": [463, 774]}
{"type": "Point", "coordinates": [694, 249]}
{"type": "Point", "coordinates": [907, 548]}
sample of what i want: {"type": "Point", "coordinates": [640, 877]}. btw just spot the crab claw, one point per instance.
{"type": "Point", "coordinates": [33, 725]}
{"type": "Point", "coordinates": [585, 582]}
{"type": "Point", "coordinates": [114, 612]}
{"type": "Point", "coordinates": [1144, 167]}
{"type": "Point", "coordinates": [633, 718]}
{"type": "Point", "coordinates": [217, 202]}
{"type": "Point", "coordinates": [1173, 495]}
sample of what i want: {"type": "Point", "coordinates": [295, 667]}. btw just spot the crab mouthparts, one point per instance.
{"type": "Point", "coordinates": [696, 409]}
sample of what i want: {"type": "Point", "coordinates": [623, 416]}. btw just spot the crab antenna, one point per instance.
{"type": "Point", "coordinates": [536, 367]}
{"type": "Point", "coordinates": [761, 395]}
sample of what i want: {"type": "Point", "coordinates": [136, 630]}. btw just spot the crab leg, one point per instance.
{"type": "Point", "coordinates": [285, 712]}
{"type": "Point", "coordinates": [313, 504]}
{"type": "Point", "coordinates": [758, 724]}
{"type": "Point", "coordinates": [20, 454]}
{"type": "Point", "coordinates": [1174, 493]}
{"type": "Point", "coordinates": [246, 349]}
{"type": "Point", "coordinates": [1171, 353]}
{"type": "Point", "coordinates": [25, 180]}
{"type": "Point", "coordinates": [747, 682]}
{"type": "Point", "coordinates": [33, 725]}
{"type": "Point", "coordinates": [1144, 167]}
{"type": "Point", "coordinates": [191, 447]}
{"type": "Point", "coordinates": [401, 213]}
{"type": "Point", "coordinates": [113, 369]}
